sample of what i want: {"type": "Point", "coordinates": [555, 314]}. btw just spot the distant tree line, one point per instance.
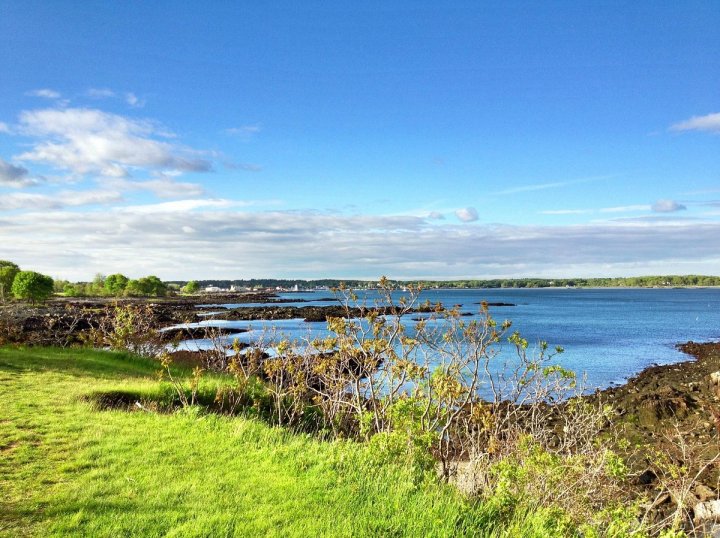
{"type": "Point", "coordinates": [265, 283]}
{"type": "Point", "coordinates": [36, 287]}
{"type": "Point", "coordinates": [635, 282]}
{"type": "Point", "coordinates": [115, 285]}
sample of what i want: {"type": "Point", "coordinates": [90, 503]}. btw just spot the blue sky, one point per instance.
{"type": "Point", "coordinates": [236, 140]}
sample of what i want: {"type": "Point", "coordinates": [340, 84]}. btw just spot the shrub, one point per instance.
{"type": "Point", "coordinates": [32, 286]}
{"type": "Point", "coordinates": [8, 270]}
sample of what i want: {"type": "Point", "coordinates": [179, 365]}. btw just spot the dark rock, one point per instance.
{"type": "Point", "coordinates": [647, 478]}
{"type": "Point", "coordinates": [199, 332]}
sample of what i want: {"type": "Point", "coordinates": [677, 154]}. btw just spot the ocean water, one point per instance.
{"type": "Point", "coordinates": [608, 334]}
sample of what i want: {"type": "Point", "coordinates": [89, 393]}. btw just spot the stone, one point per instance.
{"type": "Point", "coordinates": [715, 378]}
{"type": "Point", "coordinates": [648, 477]}
{"type": "Point", "coordinates": [704, 493]}
{"type": "Point", "coordinates": [715, 383]}
{"type": "Point", "coordinates": [709, 510]}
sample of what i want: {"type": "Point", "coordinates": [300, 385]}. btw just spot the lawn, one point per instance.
{"type": "Point", "coordinates": [68, 467]}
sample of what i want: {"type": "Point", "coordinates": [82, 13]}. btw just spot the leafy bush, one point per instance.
{"type": "Point", "coordinates": [32, 286]}
{"type": "Point", "coordinates": [8, 270]}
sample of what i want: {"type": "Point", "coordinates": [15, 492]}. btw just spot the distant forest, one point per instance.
{"type": "Point", "coordinates": [638, 282]}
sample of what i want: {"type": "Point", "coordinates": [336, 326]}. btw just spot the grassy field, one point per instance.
{"type": "Point", "coordinates": [70, 468]}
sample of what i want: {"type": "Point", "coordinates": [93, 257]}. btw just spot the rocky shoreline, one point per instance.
{"type": "Point", "coordinates": [62, 321]}
{"type": "Point", "coordinates": [668, 418]}
{"type": "Point", "coordinates": [685, 395]}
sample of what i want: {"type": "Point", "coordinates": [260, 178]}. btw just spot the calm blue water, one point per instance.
{"type": "Point", "coordinates": [610, 334]}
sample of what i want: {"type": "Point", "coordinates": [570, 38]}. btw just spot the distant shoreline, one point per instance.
{"type": "Point", "coordinates": [571, 288]}
{"type": "Point", "coordinates": [312, 284]}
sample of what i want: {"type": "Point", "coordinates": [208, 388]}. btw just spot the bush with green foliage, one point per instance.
{"type": "Point", "coordinates": [191, 287]}
{"type": "Point", "coordinates": [149, 286]}
{"type": "Point", "coordinates": [32, 286]}
{"type": "Point", "coordinates": [8, 270]}
{"type": "Point", "coordinates": [116, 284]}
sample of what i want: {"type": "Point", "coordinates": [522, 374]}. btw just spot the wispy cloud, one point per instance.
{"type": "Point", "coordinates": [45, 93]}
{"type": "Point", "coordinates": [625, 208]}
{"type": "Point", "coordinates": [661, 206]}
{"type": "Point", "coordinates": [60, 200]}
{"type": "Point", "coordinates": [467, 214]}
{"type": "Point", "coordinates": [162, 187]}
{"type": "Point", "coordinates": [709, 122]}
{"type": "Point", "coordinates": [245, 131]}
{"type": "Point", "coordinates": [550, 185]}
{"type": "Point", "coordinates": [106, 93]}
{"type": "Point", "coordinates": [100, 93]}
{"type": "Point", "coordinates": [133, 100]}
{"type": "Point", "coordinates": [179, 206]}
{"type": "Point", "coordinates": [436, 215]}
{"type": "Point", "coordinates": [5, 128]}
{"type": "Point", "coordinates": [667, 206]}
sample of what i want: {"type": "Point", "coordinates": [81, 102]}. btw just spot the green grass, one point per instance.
{"type": "Point", "coordinates": [68, 468]}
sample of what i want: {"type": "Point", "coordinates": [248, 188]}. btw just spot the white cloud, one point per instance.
{"type": "Point", "coordinates": [436, 215]}
{"type": "Point", "coordinates": [163, 187]}
{"type": "Point", "coordinates": [90, 141]}
{"type": "Point", "coordinates": [667, 206]}
{"type": "Point", "coordinates": [467, 214]}
{"type": "Point", "coordinates": [551, 185]}
{"type": "Point", "coordinates": [106, 93]}
{"type": "Point", "coordinates": [661, 206]}
{"type": "Point", "coordinates": [214, 239]}
{"type": "Point", "coordinates": [4, 128]}
{"type": "Point", "coordinates": [709, 122]}
{"type": "Point", "coordinates": [15, 176]}
{"type": "Point", "coordinates": [625, 209]}
{"type": "Point", "coordinates": [22, 200]}
{"type": "Point", "coordinates": [179, 206]}
{"type": "Point", "coordinates": [134, 101]}
{"type": "Point", "coordinates": [46, 93]}
{"type": "Point", "coordinates": [100, 93]}
{"type": "Point", "coordinates": [244, 130]}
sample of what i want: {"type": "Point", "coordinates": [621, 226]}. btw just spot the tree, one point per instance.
{"type": "Point", "coordinates": [32, 286]}
{"type": "Point", "coordinates": [133, 288]}
{"type": "Point", "coordinates": [8, 270]}
{"type": "Point", "coordinates": [116, 284]}
{"type": "Point", "coordinates": [191, 287]}
{"type": "Point", "coordinates": [152, 285]}
{"type": "Point", "coordinates": [98, 284]}
{"type": "Point", "coordinates": [149, 285]}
